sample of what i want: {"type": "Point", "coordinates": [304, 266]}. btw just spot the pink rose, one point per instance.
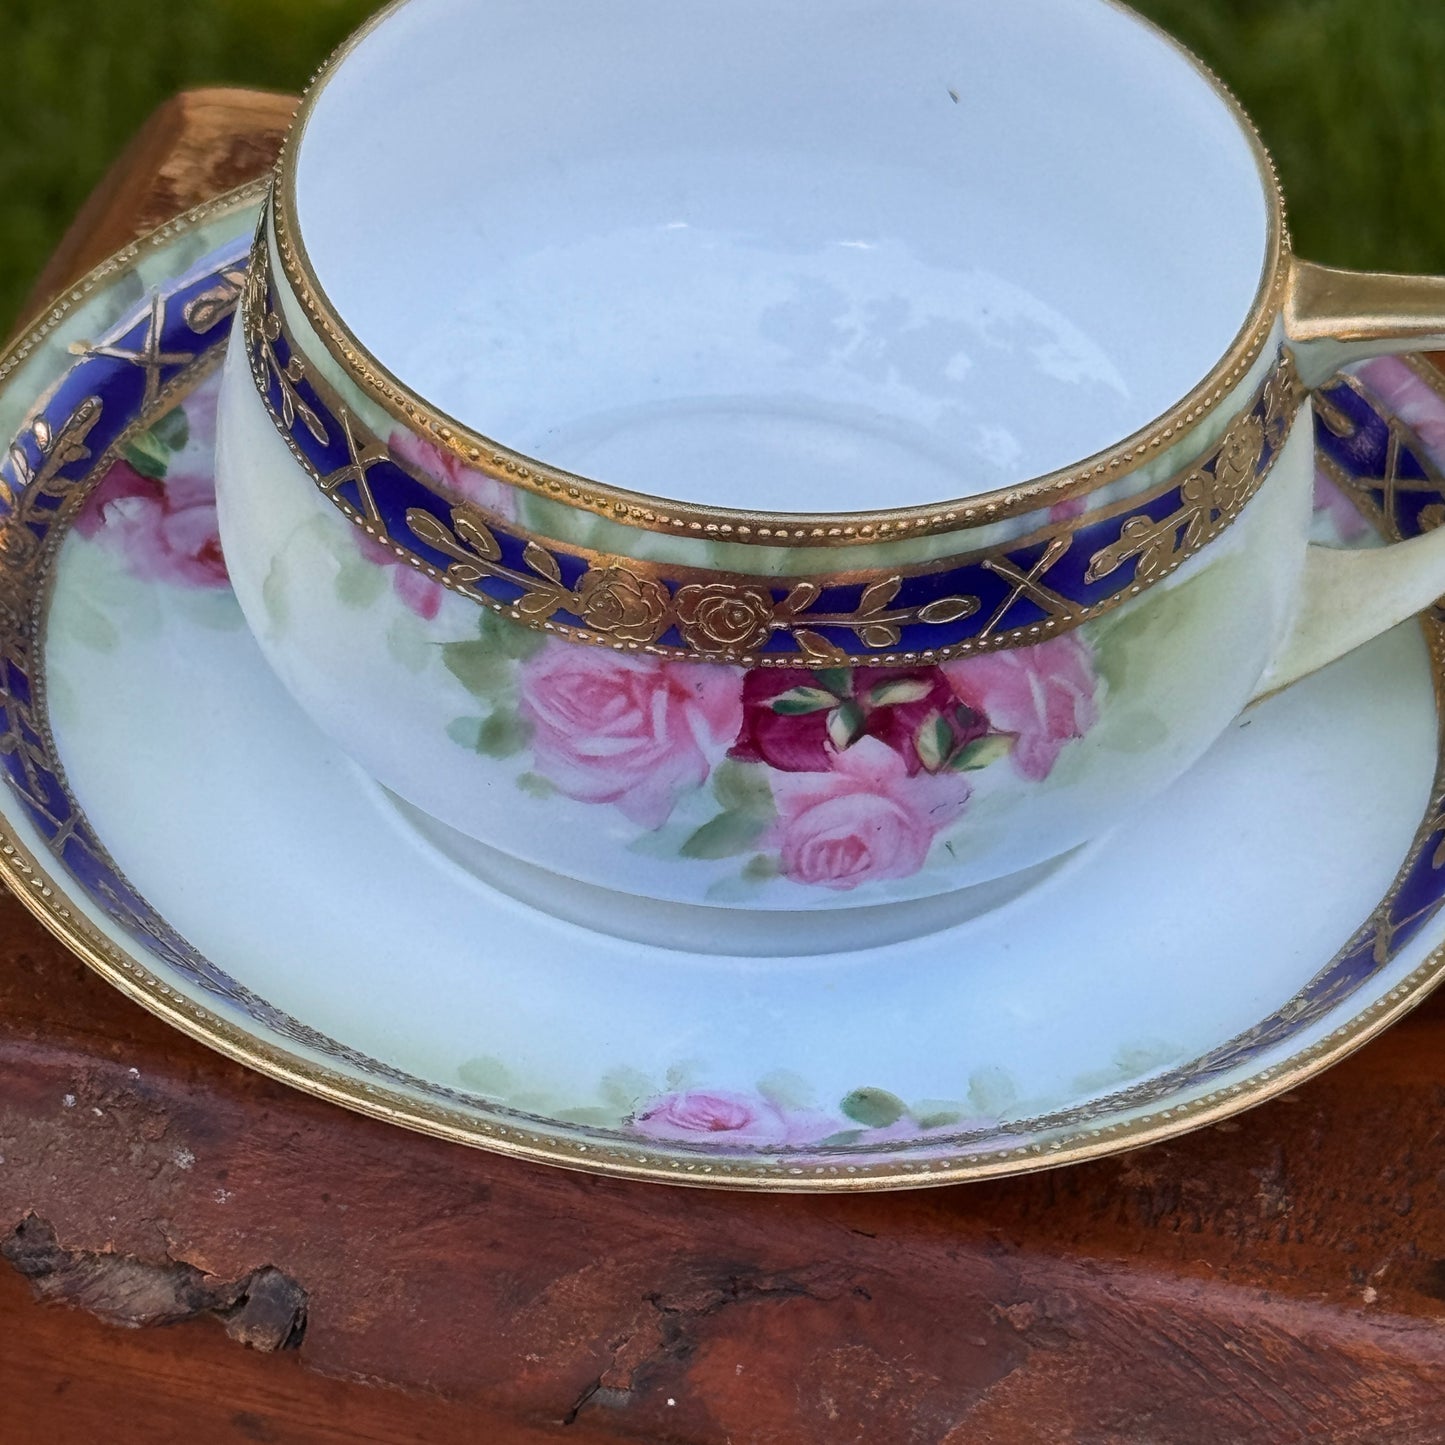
{"type": "Point", "coordinates": [1044, 695]}
{"type": "Point", "coordinates": [449, 469]}
{"type": "Point", "coordinates": [626, 728]}
{"type": "Point", "coordinates": [416, 590]}
{"type": "Point", "coordinates": [866, 819]}
{"type": "Point", "coordinates": [893, 701]}
{"type": "Point", "coordinates": [1411, 398]}
{"type": "Point", "coordinates": [1346, 518]}
{"type": "Point", "coordinates": [731, 1119]}
{"type": "Point", "coordinates": [166, 531]}
{"type": "Point", "coordinates": [1068, 509]}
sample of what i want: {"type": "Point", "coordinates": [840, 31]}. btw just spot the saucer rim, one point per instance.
{"type": "Point", "coordinates": [121, 966]}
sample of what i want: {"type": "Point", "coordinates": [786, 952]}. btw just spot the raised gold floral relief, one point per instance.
{"type": "Point", "coordinates": [1212, 494]}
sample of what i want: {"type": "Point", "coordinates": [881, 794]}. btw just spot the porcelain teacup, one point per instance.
{"type": "Point", "coordinates": [787, 456]}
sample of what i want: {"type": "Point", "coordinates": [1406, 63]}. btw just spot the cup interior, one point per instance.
{"type": "Point", "coordinates": [792, 256]}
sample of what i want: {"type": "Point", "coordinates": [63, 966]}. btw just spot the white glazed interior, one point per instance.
{"type": "Point", "coordinates": [826, 256]}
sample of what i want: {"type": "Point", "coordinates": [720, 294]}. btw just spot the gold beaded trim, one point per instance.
{"type": "Point", "coordinates": [658, 514]}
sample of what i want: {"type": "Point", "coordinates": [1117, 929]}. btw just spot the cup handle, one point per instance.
{"type": "Point", "coordinates": [1333, 318]}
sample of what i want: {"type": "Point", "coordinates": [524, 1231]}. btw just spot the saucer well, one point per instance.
{"type": "Point", "coordinates": [172, 816]}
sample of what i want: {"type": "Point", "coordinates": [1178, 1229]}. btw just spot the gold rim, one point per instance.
{"type": "Point", "coordinates": [1209, 501]}
{"type": "Point", "coordinates": [830, 529]}
{"type": "Point", "coordinates": [69, 923]}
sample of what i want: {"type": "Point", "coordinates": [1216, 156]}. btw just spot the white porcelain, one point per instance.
{"type": "Point", "coordinates": [781, 265]}
{"type": "Point", "coordinates": [170, 812]}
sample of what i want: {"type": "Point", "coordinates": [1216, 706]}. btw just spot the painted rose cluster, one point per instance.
{"type": "Point", "coordinates": [156, 505]}
{"type": "Point", "coordinates": [830, 777]}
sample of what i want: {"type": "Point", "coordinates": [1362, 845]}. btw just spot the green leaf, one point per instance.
{"type": "Point", "coordinates": [934, 740]}
{"type": "Point", "coordinates": [536, 786]}
{"type": "Point", "coordinates": [786, 1090]}
{"type": "Point", "coordinates": [625, 1089]}
{"type": "Point", "coordinates": [487, 1075]}
{"type": "Point", "coordinates": [845, 725]}
{"type": "Point", "coordinates": [725, 836]}
{"type": "Point", "coordinates": [407, 642]}
{"type": "Point", "coordinates": [464, 731]}
{"type": "Point", "coordinates": [148, 457]}
{"type": "Point", "coordinates": [503, 734]}
{"type": "Point", "coordinates": [838, 680]}
{"type": "Point", "coordinates": [992, 1091]}
{"type": "Point", "coordinates": [173, 430]}
{"type": "Point", "coordinates": [479, 667]}
{"type": "Point", "coordinates": [981, 752]}
{"type": "Point", "coordinates": [509, 637]}
{"type": "Point", "coordinates": [761, 868]}
{"type": "Point", "coordinates": [939, 1120]}
{"type": "Point", "coordinates": [743, 788]}
{"type": "Point", "coordinates": [843, 1136]}
{"type": "Point", "coordinates": [1137, 731]}
{"type": "Point", "coordinates": [1129, 637]}
{"type": "Point", "coordinates": [900, 690]}
{"type": "Point", "coordinates": [90, 626]}
{"type": "Point", "coordinates": [273, 594]}
{"type": "Point", "coordinates": [873, 1108]}
{"type": "Point", "coordinates": [359, 583]}
{"type": "Point", "coordinates": [800, 700]}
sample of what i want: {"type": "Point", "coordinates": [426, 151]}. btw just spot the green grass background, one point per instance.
{"type": "Point", "coordinates": [1350, 96]}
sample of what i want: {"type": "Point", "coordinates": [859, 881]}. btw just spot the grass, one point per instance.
{"type": "Point", "coordinates": [1350, 96]}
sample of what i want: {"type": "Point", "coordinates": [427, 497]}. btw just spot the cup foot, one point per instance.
{"type": "Point", "coordinates": [718, 930]}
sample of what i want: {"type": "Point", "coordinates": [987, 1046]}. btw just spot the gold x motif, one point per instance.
{"type": "Point", "coordinates": [150, 357]}
{"type": "Point", "coordinates": [363, 458]}
{"type": "Point", "coordinates": [1027, 584]}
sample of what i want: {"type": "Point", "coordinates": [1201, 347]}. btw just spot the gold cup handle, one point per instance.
{"type": "Point", "coordinates": [1333, 318]}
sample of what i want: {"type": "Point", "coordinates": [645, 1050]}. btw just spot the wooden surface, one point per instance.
{"type": "Point", "coordinates": [200, 1254]}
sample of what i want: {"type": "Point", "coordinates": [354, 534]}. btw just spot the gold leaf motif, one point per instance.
{"type": "Point", "coordinates": [427, 529]}
{"type": "Point", "coordinates": [206, 311]}
{"type": "Point", "coordinates": [802, 597]}
{"type": "Point", "coordinates": [1157, 559]}
{"type": "Point", "coordinates": [817, 648]}
{"type": "Point", "coordinates": [313, 422]}
{"type": "Point", "coordinates": [476, 534]}
{"type": "Point", "coordinates": [542, 562]}
{"type": "Point", "coordinates": [541, 604]}
{"type": "Point", "coordinates": [881, 635]}
{"type": "Point", "coordinates": [948, 609]}
{"type": "Point", "coordinates": [877, 596]}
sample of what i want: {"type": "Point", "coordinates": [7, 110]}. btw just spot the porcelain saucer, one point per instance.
{"type": "Point", "coordinates": [174, 818]}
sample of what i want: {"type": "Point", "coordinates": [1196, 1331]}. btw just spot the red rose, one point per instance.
{"type": "Point", "coordinates": [798, 721]}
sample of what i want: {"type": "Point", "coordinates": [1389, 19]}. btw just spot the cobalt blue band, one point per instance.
{"type": "Point", "coordinates": [1071, 569]}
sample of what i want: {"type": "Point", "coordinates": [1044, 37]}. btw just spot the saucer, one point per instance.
{"type": "Point", "coordinates": [173, 818]}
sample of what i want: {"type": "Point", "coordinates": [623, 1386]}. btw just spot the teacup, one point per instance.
{"type": "Point", "coordinates": [901, 462]}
